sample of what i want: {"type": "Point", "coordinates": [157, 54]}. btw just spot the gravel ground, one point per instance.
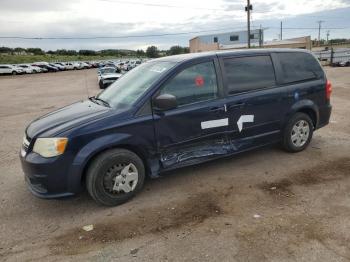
{"type": "Point", "coordinates": [264, 205]}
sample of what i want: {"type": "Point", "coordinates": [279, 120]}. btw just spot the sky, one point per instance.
{"type": "Point", "coordinates": [129, 20]}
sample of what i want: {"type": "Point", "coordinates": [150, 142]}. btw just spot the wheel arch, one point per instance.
{"type": "Point", "coordinates": [311, 113]}
{"type": "Point", "coordinates": [307, 107]}
{"type": "Point", "coordinates": [131, 148]}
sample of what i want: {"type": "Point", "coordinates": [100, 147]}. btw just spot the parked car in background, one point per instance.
{"type": "Point", "coordinates": [73, 66]}
{"type": "Point", "coordinates": [83, 65]}
{"type": "Point", "coordinates": [60, 66]}
{"type": "Point", "coordinates": [46, 66]}
{"type": "Point", "coordinates": [28, 69]}
{"type": "Point", "coordinates": [107, 64]}
{"type": "Point", "coordinates": [107, 79]}
{"type": "Point", "coordinates": [10, 69]}
{"type": "Point", "coordinates": [94, 64]}
{"type": "Point", "coordinates": [37, 69]}
{"type": "Point", "coordinates": [42, 69]}
{"type": "Point", "coordinates": [107, 70]}
{"type": "Point", "coordinates": [344, 63]}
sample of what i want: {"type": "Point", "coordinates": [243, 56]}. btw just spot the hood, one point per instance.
{"type": "Point", "coordinates": [66, 118]}
{"type": "Point", "coordinates": [111, 75]}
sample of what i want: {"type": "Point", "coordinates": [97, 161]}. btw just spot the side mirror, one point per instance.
{"type": "Point", "coordinates": [165, 102]}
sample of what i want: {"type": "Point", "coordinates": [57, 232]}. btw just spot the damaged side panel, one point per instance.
{"type": "Point", "coordinates": [200, 152]}
{"type": "Point", "coordinates": [203, 151]}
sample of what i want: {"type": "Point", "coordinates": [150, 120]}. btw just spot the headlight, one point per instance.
{"type": "Point", "coordinates": [50, 147]}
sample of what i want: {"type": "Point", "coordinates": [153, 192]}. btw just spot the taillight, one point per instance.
{"type": "Point", "coordinates": [328, 90]}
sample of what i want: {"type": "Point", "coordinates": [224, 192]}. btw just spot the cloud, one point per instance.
{"type": "Point", "coordinates": [86, 18]}
{"type": "Point", "coordinates": [35, 5]}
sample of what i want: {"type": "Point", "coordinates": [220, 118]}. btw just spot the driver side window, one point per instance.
{"type": "Point", "coordinates": [194, 84]}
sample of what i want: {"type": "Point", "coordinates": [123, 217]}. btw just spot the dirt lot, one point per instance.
{"type": "Point", "coordinates": [265, 205]}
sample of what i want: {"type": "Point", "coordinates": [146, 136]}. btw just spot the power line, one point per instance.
{"type": "Point", "coordinates": [160, 35]}
{"type": "Point", "coordinates": [115, 37]}
{"type": "Point", "coordinates": [309, 28]}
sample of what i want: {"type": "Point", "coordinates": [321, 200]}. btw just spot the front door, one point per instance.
{"type": "Point", "coordinates": [195, 130]}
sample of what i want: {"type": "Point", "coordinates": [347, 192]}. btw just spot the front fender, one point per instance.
{"type": "Point", "coordinates": [87, 152]}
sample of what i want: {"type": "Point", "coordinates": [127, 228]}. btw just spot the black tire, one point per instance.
{"type": "Point", "coordinates": [14, 72]}
{"type": "Point", "coordinates": [97, 175]}
{"type": "Point", "coordinates": [287, 143]}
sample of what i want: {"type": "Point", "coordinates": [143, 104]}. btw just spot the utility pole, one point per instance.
{"type": "Point", "coordinates": [319, 31]}
{"type": "Point", "coordinates": [248, 8]}
{"type": "Point", "coordinates": [260, 37]}
{"type": "Point", "coordinates": [327, 36]}
{"type": "Point", "coordinates": [281, 32]}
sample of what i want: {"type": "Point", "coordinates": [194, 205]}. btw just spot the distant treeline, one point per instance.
{"type": "Point", "coordinates": [331, 41]}
{"type": "Point", "coordinates": [151, 51]}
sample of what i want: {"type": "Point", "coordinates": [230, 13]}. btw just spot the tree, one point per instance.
{"type": "Point", "coordinates": [175, 50]}
{"type": "Point", "coordinates": [140, 52]}
{"type": "Point", "coordinates": [35, 51]}
{"type": "Point", "coordinates": [66, 52]}
{"type": "Point", "coordinates": [19, 49]}
{"type": "Point", "coordinates": [152, 52]}
{"type": "Point", "coordinates": [4, 49]}
{"type": "Point", "coordinates": [87, 52]}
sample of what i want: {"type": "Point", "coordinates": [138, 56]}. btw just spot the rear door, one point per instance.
{"type": "Point", "coordinates": [195, 130]}
{"type": "Point", "coordinates": [253, 100]}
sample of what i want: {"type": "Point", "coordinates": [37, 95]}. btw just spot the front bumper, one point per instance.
{"type": "Point", "coordinates": [46, 177]}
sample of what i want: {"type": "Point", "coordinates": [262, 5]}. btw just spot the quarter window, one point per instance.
{"type": "Point", "coordinates": [193, 84]}
{"type": "Point", "coordinates": [299, 67]}
{"type": "Point", "coordinates": [248, 73]}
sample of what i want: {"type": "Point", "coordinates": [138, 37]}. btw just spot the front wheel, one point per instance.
{"type": "Point", "coordinates": [297, 133]}
{"type": "Point", "coordinates": [14, 73]}
{"type": "Point", "coordinates": [115, 176]}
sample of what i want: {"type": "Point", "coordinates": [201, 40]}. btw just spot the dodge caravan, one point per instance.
{"type": "Point", "coordinates": [173, 112]}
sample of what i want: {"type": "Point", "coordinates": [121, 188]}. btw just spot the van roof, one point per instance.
{"type": "Point", "coordinates": [191, 56]}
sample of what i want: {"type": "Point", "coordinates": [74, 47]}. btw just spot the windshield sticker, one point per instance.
{"type": "Point", "coordinates": [157, 69]}
{"type": "Point", "coordinates": [199, 80]}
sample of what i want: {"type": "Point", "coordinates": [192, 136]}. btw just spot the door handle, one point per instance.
{"type": "Point", "coordinates": [217, 109]}
{"type": "Point", "coordinates": [239, 104]}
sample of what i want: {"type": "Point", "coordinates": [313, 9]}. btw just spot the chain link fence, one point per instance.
{"type": "Point", "coordinates": [334, 57]}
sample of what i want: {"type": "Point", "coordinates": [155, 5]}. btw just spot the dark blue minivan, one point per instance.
{"type": "Point", "coordinates": [173, 112]}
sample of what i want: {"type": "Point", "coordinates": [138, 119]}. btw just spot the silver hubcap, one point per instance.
{"type": "Point", "coordinates": [121, 178]}
{"type": "Point", "coordinates": [300, 133]}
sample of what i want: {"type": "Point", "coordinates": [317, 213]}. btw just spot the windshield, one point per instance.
{"type": "Point", "coordinates": [126, 90]}
{"type": "Point", "coordinates": [108, 70]}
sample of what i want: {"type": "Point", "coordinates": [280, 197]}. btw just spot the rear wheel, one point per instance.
{"type": "Point", "coordinates": [297, 133]}
{"type": "Point", "coordinates": [14, 72]}
{"type": "Point", "coordinates": [115, 176]}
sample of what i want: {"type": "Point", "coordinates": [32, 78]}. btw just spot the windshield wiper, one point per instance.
{"type": "Point", "coordinates": [95, 99]}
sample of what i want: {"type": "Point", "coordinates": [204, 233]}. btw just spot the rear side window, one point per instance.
{"type": "Point", "coordinates": [244, 74]}
{"type": "Point", "coordinates": [297, 67]}
{"type": "Point", "coordinates": [193, 84]}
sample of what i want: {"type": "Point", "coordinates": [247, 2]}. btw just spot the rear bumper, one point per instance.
{"type": "Point", "coordinates": [324, 116]}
